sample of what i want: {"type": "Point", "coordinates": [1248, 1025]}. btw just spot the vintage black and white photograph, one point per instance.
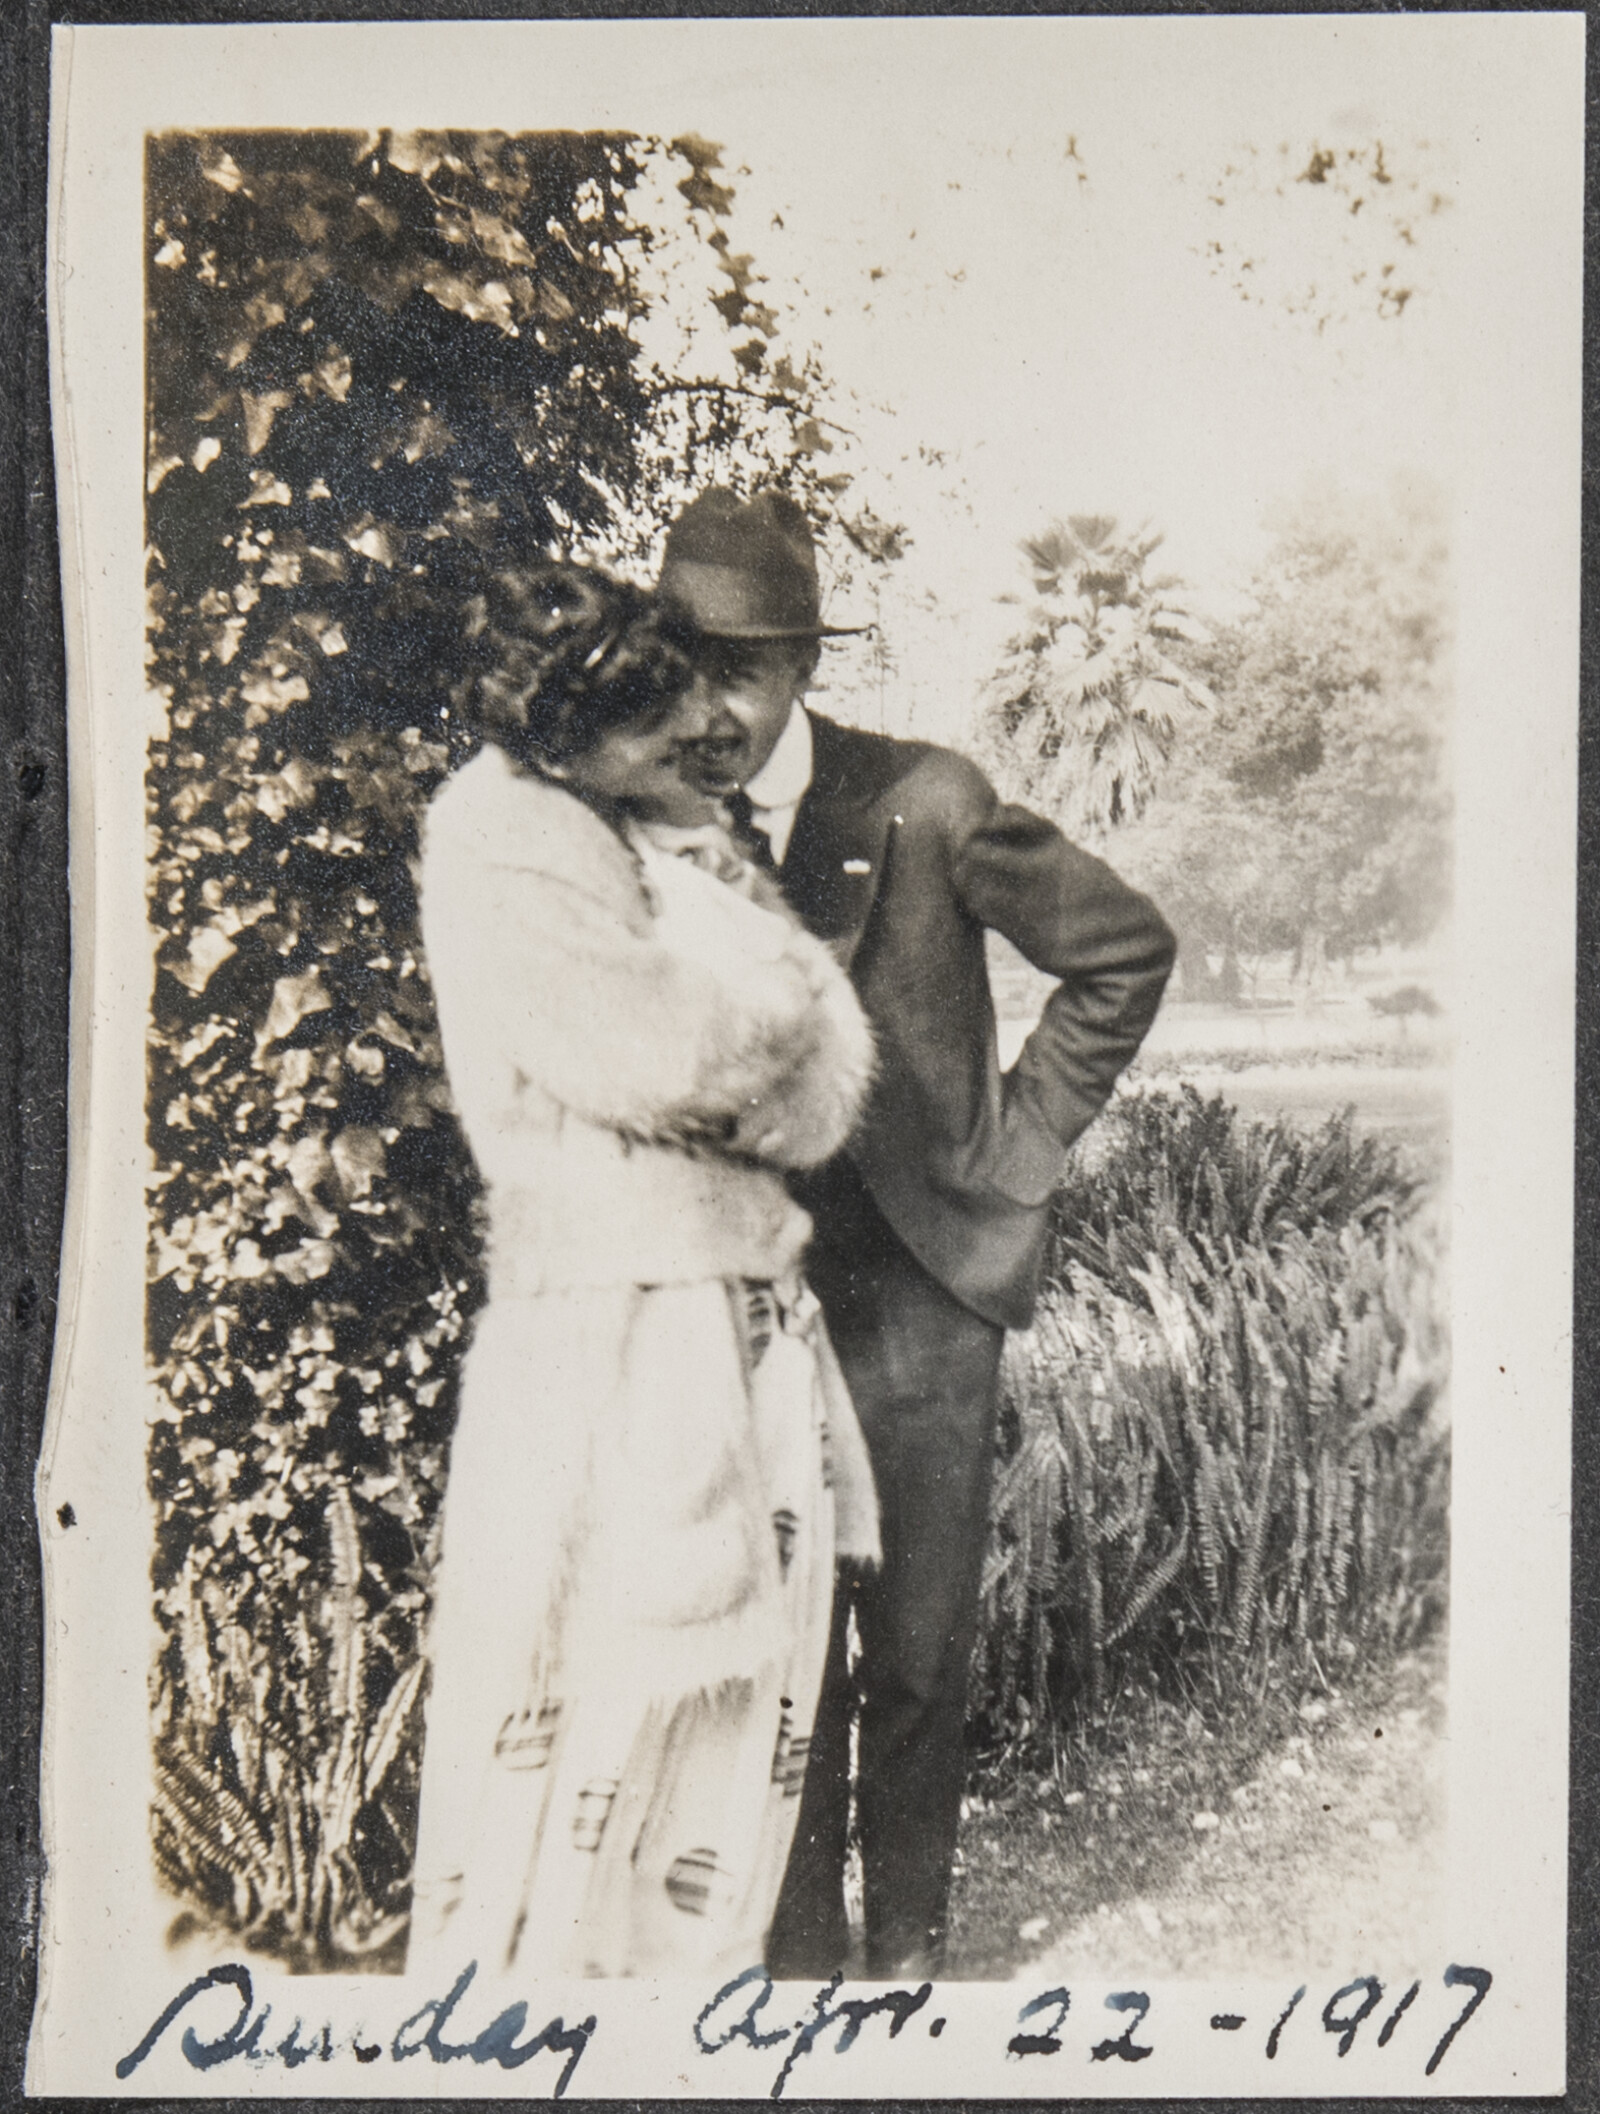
{"type": "Point", "coordinates": [789, 1185]}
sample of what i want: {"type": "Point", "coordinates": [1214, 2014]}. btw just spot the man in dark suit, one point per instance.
{"type": "Point", "coordinates": [930, 1229]}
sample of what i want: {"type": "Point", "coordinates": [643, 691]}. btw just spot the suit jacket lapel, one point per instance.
{"type": "Point", "coordinates": [836, 856]}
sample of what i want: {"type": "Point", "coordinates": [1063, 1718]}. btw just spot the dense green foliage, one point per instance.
{"type": "Point", "coordinates": [377, 367]}
{"type": "Point", "coordinates": [1225, 1463]}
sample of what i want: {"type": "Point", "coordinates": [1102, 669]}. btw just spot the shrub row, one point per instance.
{"type": "Point", "coordinates": [1224, 1454]}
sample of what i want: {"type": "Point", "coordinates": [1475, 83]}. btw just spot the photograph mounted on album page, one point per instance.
{"type": "Point", "coordinates": [815, 1330]}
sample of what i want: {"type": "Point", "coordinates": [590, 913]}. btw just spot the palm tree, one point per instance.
{"type": "Point", "coordinates": [1086, 700]}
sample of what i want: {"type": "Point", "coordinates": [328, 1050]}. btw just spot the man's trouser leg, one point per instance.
{"type": "Point", "coordinates": [923, 1371]}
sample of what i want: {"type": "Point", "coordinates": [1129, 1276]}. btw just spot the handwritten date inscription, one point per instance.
{"type": "Point", "coordinates": [739, 2013]}
{"type": "Point", "coordinates": [1343, 2015]}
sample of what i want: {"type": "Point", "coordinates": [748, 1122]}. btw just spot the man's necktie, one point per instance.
{"type": "Point", "coordinates": [753, 840]}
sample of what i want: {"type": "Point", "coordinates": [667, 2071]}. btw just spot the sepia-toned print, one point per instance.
{"type": "Point", "coordinates": [392, 378]}
{"type": "Point", "coordinates": [814, 1124]}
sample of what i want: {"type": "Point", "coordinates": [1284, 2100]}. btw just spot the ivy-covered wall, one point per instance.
{"type": "Point", "coordinates": [377, 367]}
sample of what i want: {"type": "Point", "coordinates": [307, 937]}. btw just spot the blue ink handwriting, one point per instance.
{"type": "Point", "coordinates": [1343, 2015]}
{"type": "Point", "coordinates": [849, 2014]}
{"type": "Point", "coordinates": [501, 2041]}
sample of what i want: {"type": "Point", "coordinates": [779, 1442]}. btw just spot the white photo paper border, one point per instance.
{"type": "Point", "coordinates": [105, 1977]}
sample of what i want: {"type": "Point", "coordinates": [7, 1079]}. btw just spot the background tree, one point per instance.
{"type": "Point", "coordinates": [1310, 812]}
{"type": "Point", "coordinates": [1085, 706]}
{"type": "Point", "coordinates": [1327, 231]}
{"type": "Point", "coordinates": [377, 367]}
{"type": "Point", "coordinates": [733, 397]}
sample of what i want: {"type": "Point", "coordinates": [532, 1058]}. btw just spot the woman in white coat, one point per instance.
{"type": "Point", "coordinates": [656, 1464]}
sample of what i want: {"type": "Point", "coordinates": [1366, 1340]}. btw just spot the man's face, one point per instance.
{"type": "Point", "coordinates": [748, 688]}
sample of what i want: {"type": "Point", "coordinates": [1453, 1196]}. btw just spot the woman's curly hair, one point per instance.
{"type": "Point", "coordinates": [559, 654]}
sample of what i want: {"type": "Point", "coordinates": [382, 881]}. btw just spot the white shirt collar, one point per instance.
{"type": "Point", "coordinates": [782, 781]}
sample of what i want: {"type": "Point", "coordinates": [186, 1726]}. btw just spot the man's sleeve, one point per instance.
{"type": "Point", "coordinates": [1068, 913]}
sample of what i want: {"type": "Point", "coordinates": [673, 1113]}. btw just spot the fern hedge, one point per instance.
{"type": "Point", "coordinates": [1225, 1460]}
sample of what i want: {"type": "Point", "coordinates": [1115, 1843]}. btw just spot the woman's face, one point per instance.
{"type": "Point", "coordinates": [640, 768]}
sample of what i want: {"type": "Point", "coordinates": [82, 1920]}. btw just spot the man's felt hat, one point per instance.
{"type": "Point", "coordinates": [746, 569]}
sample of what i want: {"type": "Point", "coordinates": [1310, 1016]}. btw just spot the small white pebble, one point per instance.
{"type": "Point", "coordinates": [1383, 1830]}
{"type": "Point", "coordinates": [1203, 1822]}
{"type": "Point", "coordinates": [1035, 1927]}
{"type": "Point", "coordinates": [1290, 1767]}
{"type": "Point", "coordinates": [1313, 1711]}
{"type": "Point", "coordinates": [1141, 1776]}
{"type": "Point", "coordinates": [1072, 1798]}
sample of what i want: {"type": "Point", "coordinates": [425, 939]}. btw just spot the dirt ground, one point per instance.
{"type": "Point", "coordinates": [1193, 1855]}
